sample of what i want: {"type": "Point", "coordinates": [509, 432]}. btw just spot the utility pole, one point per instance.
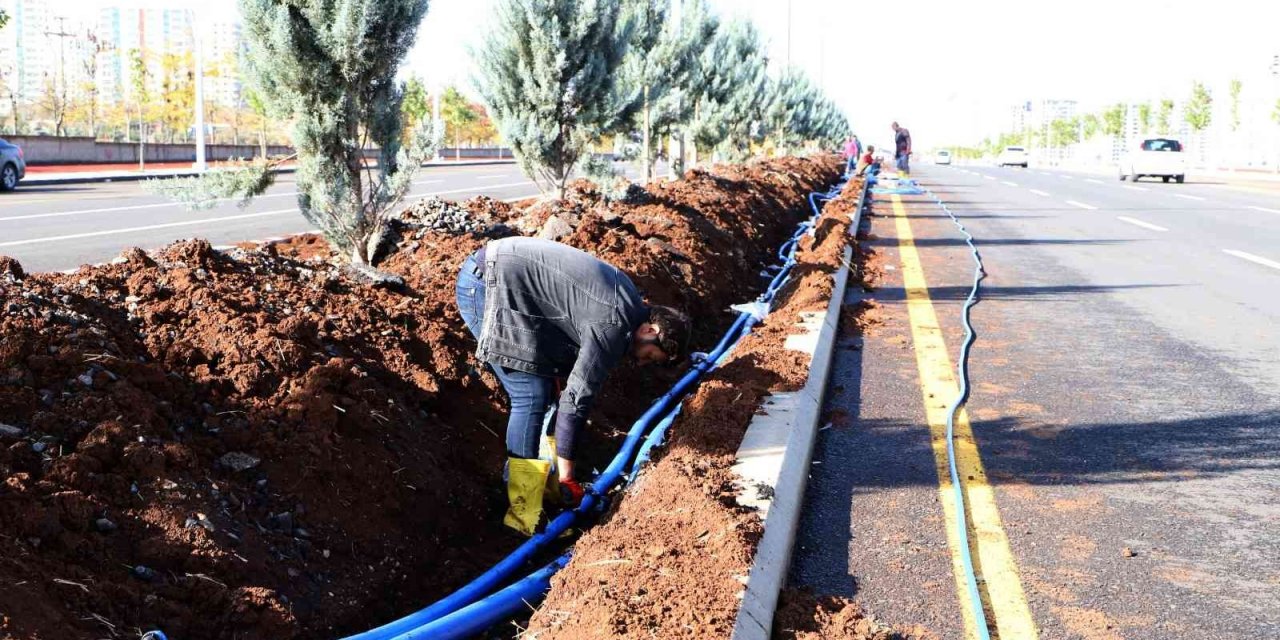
{"type": "Point", "coordinates": [788, 34]}
{"type": "Point", "coordinates": [1275, 83]}
{"type": "Point", "coordinates": [60, 83]}
{"type": "Point", "coordinates": [676, 141]}
{"type": "Point", "coordinates": [437, 124]}
{"type": "Point", "coordinates": [200, 164]}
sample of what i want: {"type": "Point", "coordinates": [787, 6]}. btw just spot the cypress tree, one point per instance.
{"type": "Point", "coordinates": [329, 66]}
{"type": "Point", "coordinates": [547, 73]}
{"type": "Point", "coordinates": [658, 70]}
{"type": "Point", "coordinates": [732, 90]}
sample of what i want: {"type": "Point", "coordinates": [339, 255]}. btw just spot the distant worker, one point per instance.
{"type": "Point", "coordinates": [902, 152]}
{"type": "Point", "coordinates": [852, 150]}
{"type": "Point", "coordinates": [544, 312]}
{"type": "Point", "coordinates": [866, 160]}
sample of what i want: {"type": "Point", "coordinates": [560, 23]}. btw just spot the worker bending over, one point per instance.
{"type": "Point", "coordinates": [543, 312]}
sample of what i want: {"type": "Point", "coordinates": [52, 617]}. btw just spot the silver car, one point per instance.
{"type": "Point", "coordinates": [13, 167]}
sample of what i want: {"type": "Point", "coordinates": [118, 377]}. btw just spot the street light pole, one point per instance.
{"type": "Point", "coordinates": [200, 164]}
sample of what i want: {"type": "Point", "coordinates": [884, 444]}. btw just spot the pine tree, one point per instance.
{"type": "Point", "coordinates": [548, 76]}
{"type": "Point", "coordinates": [732, 90]}
{"type": "Point", "coordinates": [330, 67]}
{"type": "Point", "coordinates": [656, 75]}
{"type": "Point", "coordinates": [795, 111]}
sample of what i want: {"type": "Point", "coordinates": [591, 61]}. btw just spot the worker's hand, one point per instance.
{"type": "Point", "coordinates": [571, 493]}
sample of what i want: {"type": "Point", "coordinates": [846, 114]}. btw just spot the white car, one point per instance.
{"type": "Point", "coordinates": [943, 156]}
{"type": "Point", "coordinates": [1013, 157]}
{"type": "Point", "coordinates": [1161, 157]}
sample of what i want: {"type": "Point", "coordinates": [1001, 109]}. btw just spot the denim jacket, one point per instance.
{"type": "Point", "coordinates": [553, 310]}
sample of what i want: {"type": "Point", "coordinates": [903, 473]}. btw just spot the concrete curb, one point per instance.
{"type": "Point", "coordinates": [773, 555]}
{"type": "Point", "coordinates": [134, 177]}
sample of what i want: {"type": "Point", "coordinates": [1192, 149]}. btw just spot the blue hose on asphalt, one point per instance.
{"type": "Point", "coordinates": [471, 609]}
{"type": "Point", "coordinates": [962, 372]}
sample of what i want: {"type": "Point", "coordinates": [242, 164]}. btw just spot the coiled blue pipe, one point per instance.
{"type": "Point", "coordinates": [459, 614]}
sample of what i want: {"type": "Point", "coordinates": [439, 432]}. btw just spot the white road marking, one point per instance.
{"type": "Point", "coordinates": [1187, 197]}
{"type": "Point", "coordinates": [427, 181]}
{"type": "Point", "coordinates": [1140, 223]}
{"type": "Point", "coordinates": [990, 177]}
{"type": "Point", "coordinates": [1066, 177]}
{"type": "Point", "coordinates": [1252, 258]}
{"type": "Point", "coordinates": [1133, 188]}
{"type": "Point", "coordinates": [1093, 180]}
{"type": "Point", "coordinates": [1265, 210]}
{"type": "Point", "coordinates": [492, 177]}
{"type": "Point", "coordinates": [1011, 184]}
{"type": "Point", "coordinates": [1039, 192]}
{"type": "Point", "coordinates": [1081, 205]}
{"type": "Point", "coordinates": [109, 232]}
{"type": "Point", "coordinates": [59, 214]}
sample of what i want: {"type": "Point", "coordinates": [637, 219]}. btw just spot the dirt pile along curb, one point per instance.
{"type": "Point", "coordinates": [252, 444]}
{"type": "Point", "coordinates": [672, 558]}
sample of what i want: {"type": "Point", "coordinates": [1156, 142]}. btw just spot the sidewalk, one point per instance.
{"type": "Point", "coordinates": [81, 173]}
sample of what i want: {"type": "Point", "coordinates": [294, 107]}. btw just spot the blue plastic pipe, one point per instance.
{"type": "Point", "coordinates": [470, 621]}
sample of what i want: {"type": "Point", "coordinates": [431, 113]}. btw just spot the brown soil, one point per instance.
{"type": "Point", "coordinates": [252, 444]}
{"type": "Point", "coordinates": [803, 616]}
{"type": "Point", "coordinates": [671, 559]}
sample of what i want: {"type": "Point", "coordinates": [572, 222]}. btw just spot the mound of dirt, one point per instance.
{"type": "Point", "coordinates": [672, 558]}
{"type": "Point", "coordinates": [253, 444]}
{"type": "Point", "coordinates": [803, 616]}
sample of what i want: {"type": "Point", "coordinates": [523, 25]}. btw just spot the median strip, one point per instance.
{"type": "Point", "coordinates": [1140, 223]}
{"type": "Point", "coordinates": [1252, 258]}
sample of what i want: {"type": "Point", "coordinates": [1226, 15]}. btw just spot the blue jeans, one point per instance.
{"type": "Point", "coordinates": [531, 395]}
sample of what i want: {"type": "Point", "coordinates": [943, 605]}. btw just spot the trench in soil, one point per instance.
{"type": "Point", "coordinates": [254, 444]}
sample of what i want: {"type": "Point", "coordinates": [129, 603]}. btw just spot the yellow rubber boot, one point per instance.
{"type": "Point", "coordinates": [526, 484]}
{"type": "Point", "coordinates": [548, 453]}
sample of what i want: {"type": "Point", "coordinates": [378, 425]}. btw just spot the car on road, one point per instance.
{"type": "Point", "coordinates": [1155, 157]}
{"type": "Point", "coordinates": [13, 166]}
{"type": "Point", "coordinates": [942, 156]}
{"type": "Point", "coordinates": [1013, 157]}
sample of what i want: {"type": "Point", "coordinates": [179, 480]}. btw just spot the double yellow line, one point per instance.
{"type": "Point", "coordinates": [1005, 604]}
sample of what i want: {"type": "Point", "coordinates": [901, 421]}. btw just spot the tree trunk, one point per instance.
{"type": "Point", "coordinates": [142, 141]}
{"type": "Point", "coordinates": [645, 153]}
{"type": "Point", "coordinates": [262, 138]}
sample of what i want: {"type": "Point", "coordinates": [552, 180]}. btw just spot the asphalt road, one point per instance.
{"type": "Point", "coordinates": [1126, 395]}
{"type": "Point", "coordinates": [60, 227]}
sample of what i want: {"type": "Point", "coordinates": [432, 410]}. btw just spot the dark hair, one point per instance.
{"type": "Point", "coordinates": [673, 330]}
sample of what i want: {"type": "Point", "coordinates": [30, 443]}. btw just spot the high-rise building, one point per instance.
{"type": "Point", "coordinates": [222, 42]}
{"type": "Point", "coordinates": [131, 29]}
{"type": "Point", "coordinates": [28, 54]}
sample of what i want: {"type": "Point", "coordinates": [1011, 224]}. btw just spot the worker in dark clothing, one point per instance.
{"type": "Point", "coordinates": [902, 151]}
{"type": "Point", "coordinates": [543, 312]}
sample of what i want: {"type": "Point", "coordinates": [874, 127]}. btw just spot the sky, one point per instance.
{"type": "Point", "coordinates": [947, 70]}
